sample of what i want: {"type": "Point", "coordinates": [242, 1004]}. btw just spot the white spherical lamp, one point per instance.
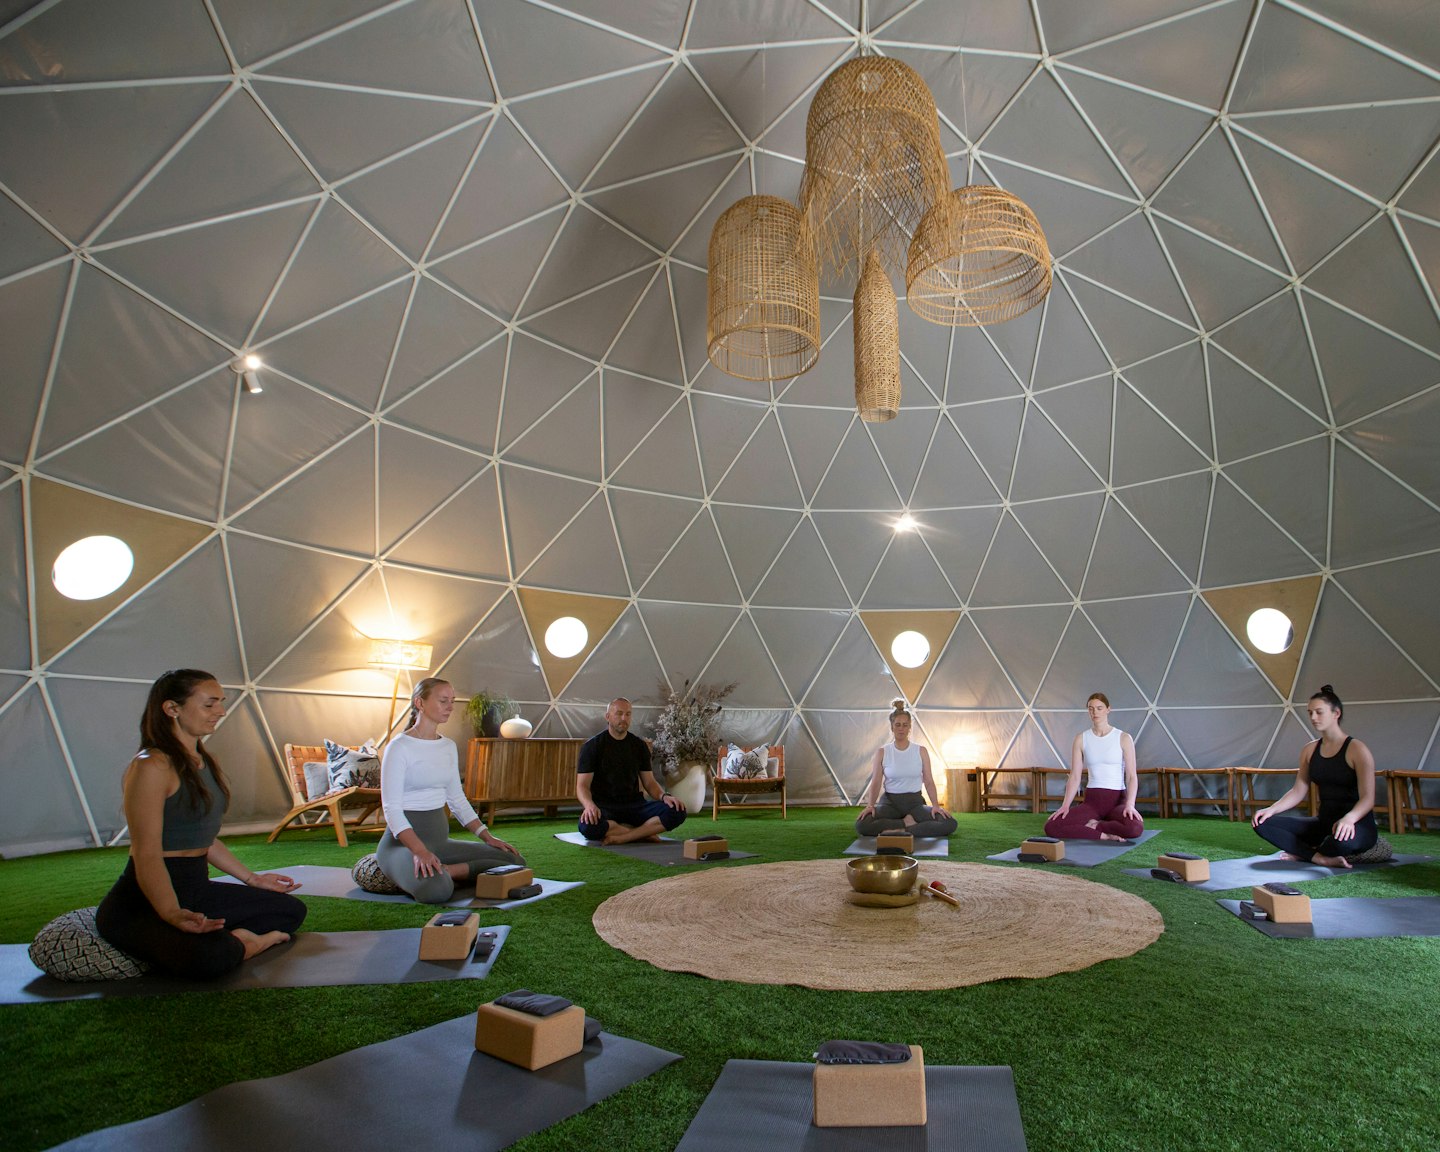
{"type": "Point", "coordinates": [910, 649]}
{"type": "Point", "coordinates": [566, 637]}
{"type": "Point", "coordinates": [92, 567]}
{"type": "Point", "coordinates": [1270, 630]}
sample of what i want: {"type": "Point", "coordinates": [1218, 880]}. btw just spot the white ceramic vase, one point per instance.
{"type": "Point", "coordinates": [689, 785]}
{"type": "Point", "coordinates": [516, 728]}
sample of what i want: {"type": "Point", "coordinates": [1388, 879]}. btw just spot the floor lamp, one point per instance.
{"type": "Point", "coordinates": [400, 655]}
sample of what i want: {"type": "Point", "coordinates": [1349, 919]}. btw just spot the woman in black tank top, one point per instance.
{"type": "Point", "coordinates": [1343, 772]}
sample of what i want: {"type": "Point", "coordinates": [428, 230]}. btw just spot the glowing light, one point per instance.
{"type": "Point", "coordinates": [92, 567]}
{"type": "Point", "coordinates": [253, 362]}
{"type": "Point", "coordinates": [401, 653]}
{"type": "Point", "coordinates": [1270, 630]}
{"type": "Point", "coordinates": [960, 750]}
{"type": "Point", "coordinates": [910, 649]}
{"type": "Point", "coordinates": [906, 523]}
{"type": "Point", "coordinates": [566, 637]}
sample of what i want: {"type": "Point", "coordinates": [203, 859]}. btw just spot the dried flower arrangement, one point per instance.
{"type": "Point", "coordinates": [688, 726]}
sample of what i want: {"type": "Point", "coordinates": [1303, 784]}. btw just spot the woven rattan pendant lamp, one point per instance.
{"type": "Point", "coordinates": [877, 344]}
{"type": "Point", "coordinates": [763, 292]}
{"type": "Point", "coordinates": [978, 257]}
{"type": "Point", "coordinates": [873, 161]}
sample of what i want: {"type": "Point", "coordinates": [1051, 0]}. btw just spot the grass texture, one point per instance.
{"type": "Point", "coordinates": [1214, 1037]}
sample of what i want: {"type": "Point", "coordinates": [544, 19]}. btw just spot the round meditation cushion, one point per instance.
{"type": "Point", "coordinates": [70, 948]}
{"type": "Point", "coordinates": [1377, 853]}
{"type": "Point", "coordinates": [368, 875]}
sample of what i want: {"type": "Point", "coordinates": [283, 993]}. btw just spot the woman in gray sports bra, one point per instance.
{"type": "Point", "coordinates": [1343, 772]}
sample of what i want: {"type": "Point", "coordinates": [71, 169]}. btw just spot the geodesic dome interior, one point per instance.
{"type": "Point", "coordinates": [468, 240]}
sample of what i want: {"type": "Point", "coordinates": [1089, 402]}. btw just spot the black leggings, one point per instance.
{"type": "Point", "coordinates": [1303, 836]}
{"type": "Point", "coordinates": [127, 919]}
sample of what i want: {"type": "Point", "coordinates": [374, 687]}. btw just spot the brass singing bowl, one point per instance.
{"type": "Point", "coordinates": [886, 875]}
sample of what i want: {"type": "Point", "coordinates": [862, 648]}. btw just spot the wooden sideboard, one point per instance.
{"type": "Point", "coordinates": [530, 773]}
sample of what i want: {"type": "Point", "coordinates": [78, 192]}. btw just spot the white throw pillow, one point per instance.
{"type": "Point", "coordinates": [317, 778]}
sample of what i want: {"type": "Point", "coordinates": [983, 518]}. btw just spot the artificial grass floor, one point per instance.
{"type": "Point", "coordinates": [1214, 1037]}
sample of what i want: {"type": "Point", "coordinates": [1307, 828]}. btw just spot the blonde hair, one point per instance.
{"type": "Point", "coordinates": [422, 692]}
{"type": "Point", "coordinates": [898, 704]}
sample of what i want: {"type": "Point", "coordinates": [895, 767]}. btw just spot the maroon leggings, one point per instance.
{"type": "Point", "coordinates": [1102, 805]}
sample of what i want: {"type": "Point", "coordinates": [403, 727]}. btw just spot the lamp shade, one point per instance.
{"type": "Point", "coordinates": [978, 257]}
{"type": "Point", "coordinates": [762, 319]}
{"type": "Point", "coordinates": [401, 653]}
{"type": "Point", "coordinates": [877, 345]}
{"type": "Point", "coordinates": [873, 161]}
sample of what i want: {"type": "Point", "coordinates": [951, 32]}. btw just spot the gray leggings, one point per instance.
{"type": "Point", "coordinates": [433, 828]}
{"type": "Point", "coordinates": [890, 815]}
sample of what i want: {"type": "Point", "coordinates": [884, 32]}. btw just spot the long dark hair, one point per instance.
{"type": "Point", "coordinates": [422, 692]}
{"type": "Point", "coordinates": [1327, 694]}
{"type": "Point", "coordinates": [157, 734]}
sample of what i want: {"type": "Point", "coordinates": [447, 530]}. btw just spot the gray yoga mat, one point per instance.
{"type": "Point", "coordinates": [767, 1106]}
{"type": "Point", "coordinates": [1248, 871]}
{"type": "Point", "coordinates": [320, 880]}
{"type": "Point", "coordinates": [1355, 918]}
{"type": "Point", "coordinates": [1088, 853]}
{"type": "Point", "coordinates": [924, 846]}
{"type": "Point", "coordinates": [311, 960]}
{"type": "Point", "coordinates": [429, 1089]}
{"type": "Point", "coordinates": [667, 851]}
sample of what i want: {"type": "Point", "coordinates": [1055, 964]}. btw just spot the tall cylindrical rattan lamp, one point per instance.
{"type": "Point", "coordinates": [978, 257]}
{"type": "Point", "coordinates": [763, 292]}
{"type": "Point", "coordinates": [877, 344]}
{"type": "Point", "coordinates": [873, 161]}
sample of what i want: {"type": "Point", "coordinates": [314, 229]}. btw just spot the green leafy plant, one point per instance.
{"type": "Point", "coordinates": [487, 709]}
{"type": "Point", "coordinates": [688, 727]}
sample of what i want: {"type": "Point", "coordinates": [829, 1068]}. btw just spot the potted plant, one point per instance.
{"type": "Point", "coordinates": [487, 709]}
{"type": "Point", "coordinates": [687, 737]}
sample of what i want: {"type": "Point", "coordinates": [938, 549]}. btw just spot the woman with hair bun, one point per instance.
{"type": "Point", "coordinates": [900, 770]}
{"type": "Point", "coordinates": [419, 779]}
{"type": "Point", "coordinates": [1343, 771]}
{"type": "Point", "coordinates": [1107, 757]}
{"type": "Point", "coordinates": [165, 909]}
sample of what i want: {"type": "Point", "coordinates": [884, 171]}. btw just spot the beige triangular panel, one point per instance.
{"type": "Point", "coordinates": [60, 516]}
{"type": "Point", "coordinates": [542, 608]}
{"type": "Point", "coordinates": [934, 626]}
{"type": "Point", "coordinates": [1295, 598]}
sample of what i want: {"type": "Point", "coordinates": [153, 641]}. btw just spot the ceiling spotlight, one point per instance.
{"type": "Point", "coordinates": [906, 523]}
{"type": "Point", "coordinates": [248, 367]}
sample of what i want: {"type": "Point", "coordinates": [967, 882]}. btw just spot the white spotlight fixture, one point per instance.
{"type": "Point", "coordinates": [248, 367]}
{"type": "Point", "coordinates": [1270, 630]}
{"type": "Point", "coordinates": [92, 567]}
{"type": "Point", "coordinates": [906, 523]}
{"type": "Point", "coordinates": [566, 637]}
{"type": "Point", "coordinates": [910, 649]}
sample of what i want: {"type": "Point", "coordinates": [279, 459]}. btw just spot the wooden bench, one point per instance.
{"type": "Point", "coordinates": [531, 773]}
{"type": "Point", "coordinates": [1244, 803]}
{"type": "Point", "coordinates": [1407, 798]}
{"type": "Point", "coordinates": [1042, 798]}
{"type": "Point", "coordinates": [1173, 800]}
{"type": "Point", "coordinates": [331, 805]}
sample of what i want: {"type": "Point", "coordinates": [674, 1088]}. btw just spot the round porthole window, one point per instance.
{"type": "Point", "coordinates": [1270, 630]}
{"type": "Point", "coordinates": [566, 637]}
{"type": "Point", "coordinates": [92, 567]}
{"type": "Point", "coordinates": [910, 649]}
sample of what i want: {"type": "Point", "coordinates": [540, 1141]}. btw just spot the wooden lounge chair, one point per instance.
{"type": "Point", "coordinates": [758, 786]}
{"type": "Point", "coordinates": [365, 799]}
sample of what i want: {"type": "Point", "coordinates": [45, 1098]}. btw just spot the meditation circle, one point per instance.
{"type": "Point", "coordinates": [790, 923]}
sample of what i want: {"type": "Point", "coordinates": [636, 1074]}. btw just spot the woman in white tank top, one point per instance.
{"type": "Point", "coordinates": [893, 800]}
{"type": "Point", "coordinates": [1107, 756]}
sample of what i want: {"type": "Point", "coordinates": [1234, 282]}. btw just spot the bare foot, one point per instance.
{"type": "Point", "coordinates": [254, 944]}
{"type": "Point", "coordinates": [1289, 856]}
{"type": "Point", "coordinates": [616, 833]}
{"type": "Point", "coordinates": [654, 839]}
{"type": "Point", "coordinates": [1330, 861]}
{"type": "Point", "coordinates": [1092, 824]}
{"type": "Point", "coordinates": [1106, 835]}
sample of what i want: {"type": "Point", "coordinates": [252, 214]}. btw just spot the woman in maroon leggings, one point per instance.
{"type": "Point", "coordinates": [1107, 756]}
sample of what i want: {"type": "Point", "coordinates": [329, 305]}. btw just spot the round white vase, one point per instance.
{"type": "Point", "coordinates": [689, 785]}
{"type": "Point", "coordinates": [516, 728]}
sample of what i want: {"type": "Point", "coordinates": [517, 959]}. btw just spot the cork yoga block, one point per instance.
{"type": "Point", "coordinates": [530, 1041]}
{"type": "Point", "coordinates": [871, 1095]}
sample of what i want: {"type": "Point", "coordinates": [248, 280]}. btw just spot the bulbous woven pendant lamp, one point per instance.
{"type": "Point", "coordinates": [873, 161]}
{"type": "Point", "coordinates": [978, 257]}
{"type": "Point", "coordinates": [877, 344]}
{"type": "Point", "coordinates": [762, 317]}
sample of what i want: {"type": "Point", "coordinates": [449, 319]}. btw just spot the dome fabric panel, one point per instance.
{"type": "Point", "coordinates": [469, 244]}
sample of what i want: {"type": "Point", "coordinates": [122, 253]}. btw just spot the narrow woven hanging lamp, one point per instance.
{"type": "Point", "coordinates": [873, 161]}
{"type": "Point", "coordinates": [762, 319]}
{"type": "Point", "coordinates": [877, 344]}
{"type": "Point", "coordinates": [978, 257]}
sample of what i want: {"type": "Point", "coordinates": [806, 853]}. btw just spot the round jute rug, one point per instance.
{"type": "Point", "coordinates": [790, 923]}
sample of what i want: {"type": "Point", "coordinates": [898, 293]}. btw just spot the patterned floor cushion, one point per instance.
{"type": "Point", "coordinates": [1377, 853]}
{"type": "Point", "coordinates": [69, 948]}
{"type": "Point", "coordinates": [367, 875]}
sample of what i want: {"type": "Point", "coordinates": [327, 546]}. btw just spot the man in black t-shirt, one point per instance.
{"type": "Point", "coordinates": [620, 799]}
